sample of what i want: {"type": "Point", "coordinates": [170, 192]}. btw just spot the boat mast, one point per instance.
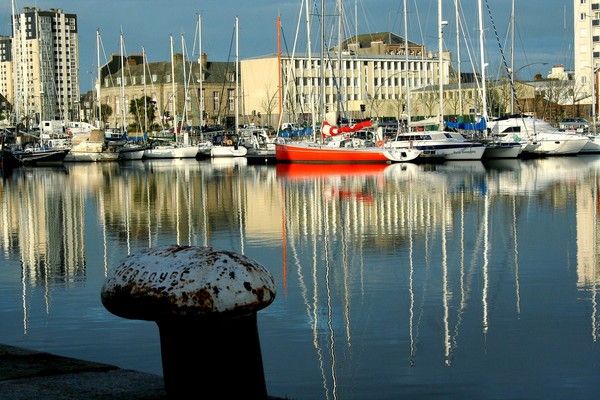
{"type": "Point", "coordinates": [184, 115]}
{"type": "Point", "coordinates": [173, 97]}
{"type": "Point", "coordinates": [482, 61]}
{"type": "Point", "coordinates": [408, 104]}
{"type": "Point", "coordinates": [145, 93]}
{"type": "Point", "coordinates": [440, 65]}
{"type": "Point", "coordinates": [17, 92]}
{"type": "Point", "coordinates": [122, 85]}
{"type": "Point", "coordinates": [512, 58]}
{"type": "Point", "coordinates": [457, 16]}
{"type": "Point", "coordinates": [201, 77]}
{"type": "Point", "coordinates": [310, 63]}
{"type": "Point", "coordinates": [279, 79]}
{"type": "Point", "coordinates": [323, 98]}
{"type": "Point", "coordinates": [339, 105]}
{"type": "Point", "coordinates": [100, 124]}
{"type": "Point", "coordinates": [237, 66]}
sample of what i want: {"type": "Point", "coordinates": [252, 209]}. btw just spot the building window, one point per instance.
{"type": "Point", "coordinates": [215, 100]}
{"type": "Point", "coordinates": [230, 99]}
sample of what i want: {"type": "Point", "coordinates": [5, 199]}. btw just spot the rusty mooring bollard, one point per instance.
{"type": "Point", "coordinates": [204, 302]}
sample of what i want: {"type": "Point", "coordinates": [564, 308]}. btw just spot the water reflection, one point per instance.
{"type": "Point", "coordinates": [385, 273]}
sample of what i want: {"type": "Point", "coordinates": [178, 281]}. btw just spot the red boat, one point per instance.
{"type": "Point", "coordinates": [344, 145]}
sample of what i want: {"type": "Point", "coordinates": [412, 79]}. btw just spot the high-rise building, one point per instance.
{"type": "Point", "coordinates": [586, 46]}
{"type": "Point", "coordinates": [44, 60]}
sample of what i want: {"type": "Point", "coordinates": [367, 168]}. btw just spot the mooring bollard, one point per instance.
{"type": "Point", "coordinates": [204, 302]}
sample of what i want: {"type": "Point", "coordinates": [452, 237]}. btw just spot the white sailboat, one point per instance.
{"type": "Point", "coordinates": [537, 137]}
{"type": "Point", "coordinates": [228, 144]}
{"type": "Point", "coordinates": [494, 147]}
{"type": "Point", "coordinates": [92, 146]}
{"type": "Point", "coordinates": [180, 147]}
{"type": "Point", "coordinates": [437, 143]}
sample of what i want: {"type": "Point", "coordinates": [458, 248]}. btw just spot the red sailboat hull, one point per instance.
{"type": "Point", "coordinates": [315, 153]}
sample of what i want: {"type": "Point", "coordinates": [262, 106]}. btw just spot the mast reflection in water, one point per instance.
{"type": "Point", "coordinates": [455, 280]}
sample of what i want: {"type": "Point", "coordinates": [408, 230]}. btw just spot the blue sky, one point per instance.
{"type": "Point", "coordinates": [543, 33]}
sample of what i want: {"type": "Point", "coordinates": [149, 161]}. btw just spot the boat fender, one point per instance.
{"type": "Point", "coordinates": [380, 143]}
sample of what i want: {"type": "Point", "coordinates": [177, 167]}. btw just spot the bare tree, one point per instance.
{"type": "Point", "coordinates": [269, 103]}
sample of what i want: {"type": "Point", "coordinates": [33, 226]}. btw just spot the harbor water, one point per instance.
{"type": "Point", "coordinates": [454, 280]}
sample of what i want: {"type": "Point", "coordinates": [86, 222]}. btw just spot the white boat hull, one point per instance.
{"type": "Point", "coordinates": [228, 151]}
{"type": "Point", "coordinates": [592, 146]}
{"type": "Point", "coordinates": [502, 150]}
{"type": "Point", "coordinates": [131, 152]}
{"type": "Point", "coordinates": [557, 145]}
{"type": "Point", "coordinates": [160, 152]}
{"type": "Point", "coordinates": [444, 144]}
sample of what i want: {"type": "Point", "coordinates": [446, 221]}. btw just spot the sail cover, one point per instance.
{"type": "Point", "coordinates": [328, 130]}
{"type": "Point", "coordinates": [468, 126]}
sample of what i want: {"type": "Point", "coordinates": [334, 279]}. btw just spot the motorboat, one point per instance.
{"type": "Point", "coordinates": [441, 144]}
{"type": "Point", "coordinates": [537, 136]}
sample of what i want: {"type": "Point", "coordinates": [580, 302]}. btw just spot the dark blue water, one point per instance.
{"type": "Point", "coordinates": [459, 280]}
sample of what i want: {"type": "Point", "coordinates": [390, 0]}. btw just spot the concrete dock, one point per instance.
{"type": "Point", "coordinates": [31, 375]}
{"type": "Point", "coordinates": [28, 375]}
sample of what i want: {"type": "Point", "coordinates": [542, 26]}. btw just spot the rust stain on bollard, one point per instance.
{"type": "Point", "coordinates": [204, 302]}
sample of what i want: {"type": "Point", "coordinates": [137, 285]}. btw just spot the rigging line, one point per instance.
{"type": "Point", "coordinates": [504, 62]}
{"type": "Point", "coordinates": [292, 76]}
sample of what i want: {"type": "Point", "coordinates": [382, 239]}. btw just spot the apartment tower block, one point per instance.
{"type": "Point", "coordinates": [40, 68]}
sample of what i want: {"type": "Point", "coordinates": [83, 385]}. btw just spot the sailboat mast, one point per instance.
{"type": "Point", "coordinates": [482, 61]}
{"type": "Point", "coordinates": [339, 106]}
{"type": "Point", "coordinates": [145, 93]}
{"type": "Point", "coordinates": [17, 92]}
{"type": "Point", "coordinates": [122, 85]}
{"type": "Point", "coordinates": [512, 58]}
{"type": "Point", "coordinates": [457, 16]}
{"type": "Point", "coordinates": [440, 64]}
{"type": "Point", "coordinates": [100, 125]}
{"type": "Point", "coordinates": [323, 98]}
{"type": "Point", "coordinates": [408, 103]}
{"type": "Point", "coordinates": [237, 66]}
{"type": "Point", "coordinates": [185, 89]}
{"type": "Point", "coordinates": [173, 96]}
{"type": "Point", "coordinates": [201, 77]}
{"type": "Point", "coordinates": [310, 63]}
{"type": "Point", "coordinates": [279, 81]}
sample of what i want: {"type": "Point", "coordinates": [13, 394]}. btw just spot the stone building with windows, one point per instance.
{"type": "Point", "coordinates": [173, 92]}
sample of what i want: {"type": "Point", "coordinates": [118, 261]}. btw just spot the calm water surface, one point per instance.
{"type": "Point", "coordinates": [459, 280]}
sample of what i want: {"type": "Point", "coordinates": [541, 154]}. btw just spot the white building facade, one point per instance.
{"type": "Point", "coordinates": [44, 60]}
{"type": "Point", "coordinates": [586, 44]}
{"type": "Point", "coordinates": [364, 85]}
